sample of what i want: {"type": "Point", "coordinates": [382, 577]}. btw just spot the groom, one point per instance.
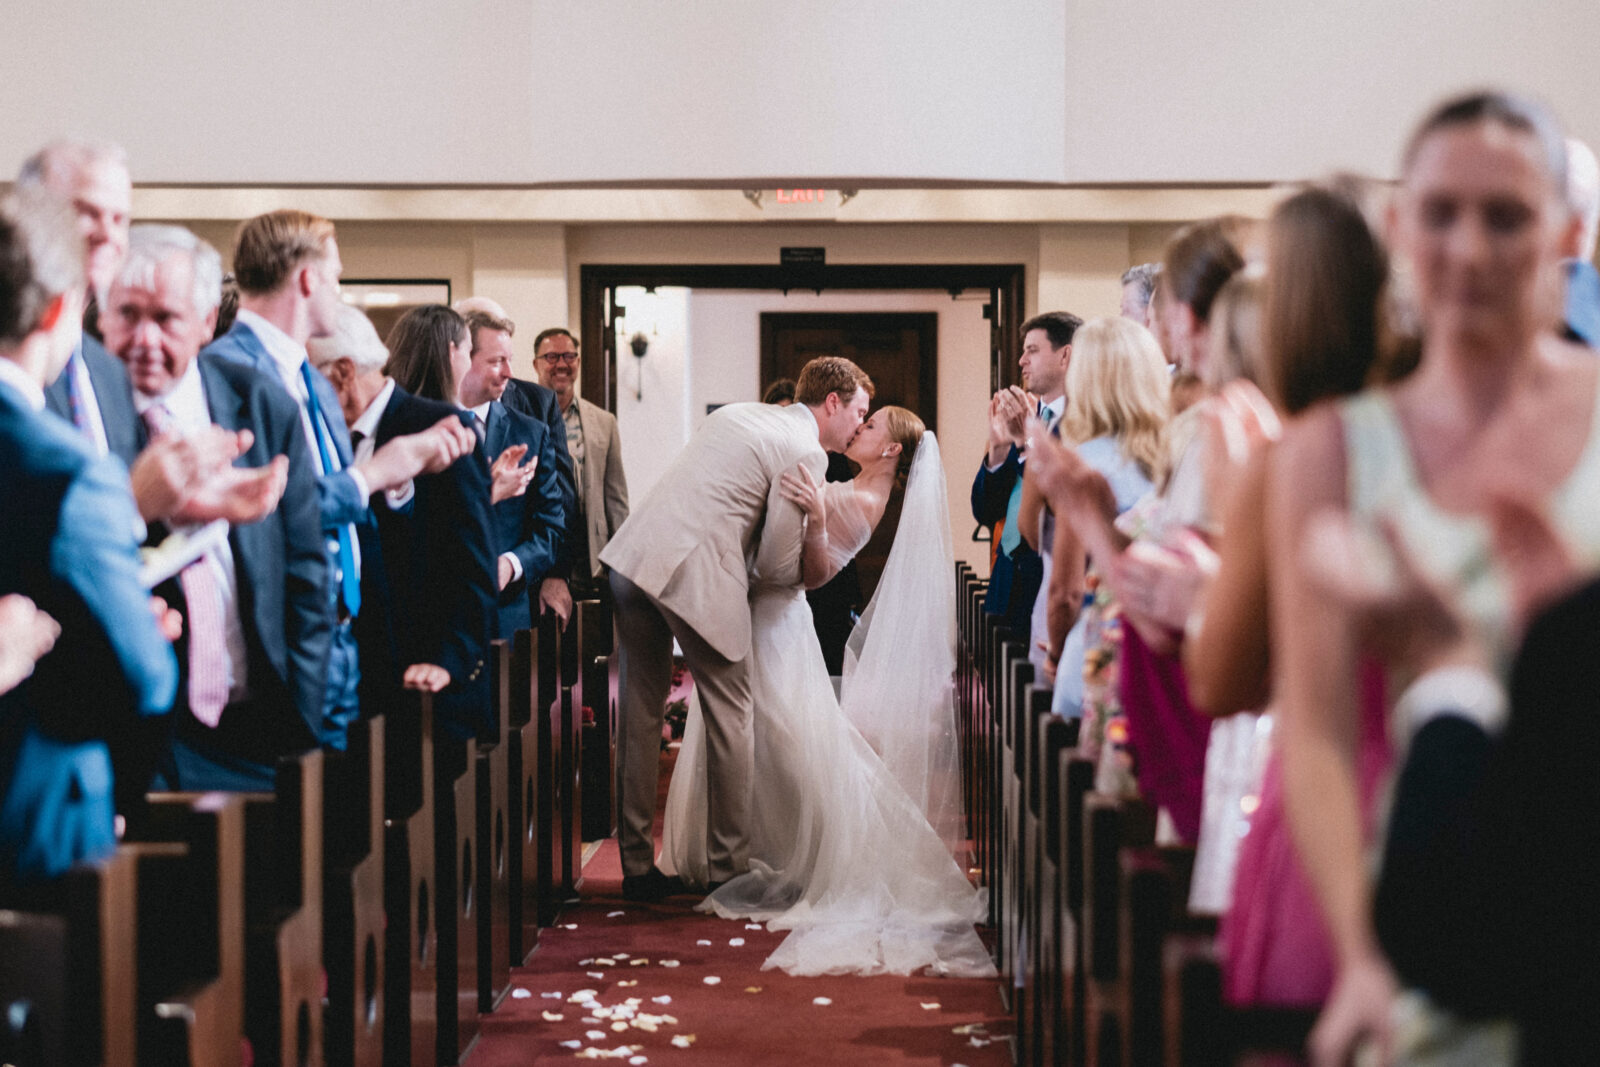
{"type": "Point", "coordinates": [679, 569]}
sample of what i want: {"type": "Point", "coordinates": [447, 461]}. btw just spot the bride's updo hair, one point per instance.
{"type": "Point", "coordinates": [905, 428]}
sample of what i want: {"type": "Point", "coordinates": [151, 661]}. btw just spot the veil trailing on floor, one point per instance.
{"type": "Point", "coordinates": [899, 665]}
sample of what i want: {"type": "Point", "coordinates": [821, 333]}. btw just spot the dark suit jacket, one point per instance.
{"type": "Point", "coordinates": [832, 604]}
{"type": "Point", "coordinates": [428, 579]}
{"type": "Point", "coordinates": [281, 568]}
{"type": "Point", "coordinates": [68, 543]}
{"type": "Point", "coordinates": [339, 498]}
{"type": "Point", "coordinates": [533, 525]}
{"type": "Point", "coordinates": [1490, 892]}
{"type": "Point", "coordinates": [112, 394]}
{"type": "Point", "coordinates": [533, 399]}
{"type": "Point", "coordinates": [1014, 580]}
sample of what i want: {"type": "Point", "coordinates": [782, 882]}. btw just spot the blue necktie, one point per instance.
{"type": "Point", "coordinates": [1011, 536]}
{"type": "Point", "coordinates": [349, 580]}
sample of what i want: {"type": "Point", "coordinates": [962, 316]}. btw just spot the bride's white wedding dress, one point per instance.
{"type": "Point", "coordinates": [842, 855]}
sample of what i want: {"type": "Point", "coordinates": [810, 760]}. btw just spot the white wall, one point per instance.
{"type": "Point", "coordinates": [653, 394]}
{"type": "Point", "coordinates": [766, 92]}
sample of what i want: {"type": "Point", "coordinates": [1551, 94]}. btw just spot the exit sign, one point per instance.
{"type": "Point", "coordinates": [800, 196]}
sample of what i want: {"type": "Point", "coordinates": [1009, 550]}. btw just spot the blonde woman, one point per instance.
{"type": "Point", "coordinates": [1118, 399]}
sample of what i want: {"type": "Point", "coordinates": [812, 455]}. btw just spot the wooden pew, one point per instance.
{"type": "Point", "coordinates": [1029, 709]}
{"type": "Point", "coordinates": [1201, 1031]}
{"type": "Point", "coordinates": [541, 768]}
{"type": "Point", "coordinates": [455, 853]}
{"type": "Point", "coordinates": [1155, 898]}
{"type": "Point", "coordinates": [495, 838]}
{"type": "Point", "coordinates": [190, 947]}
{"type": "Point", "coordinates": [599, 735]}
{"type": "Point", "coordinates": [67, 976]}
{"type": "Point", "coordinates": [1074, 782]}
{"type": "Point", "coordinates": [1055, 736]}
{"type": "Point", "coordinates": [353, 898]}
{"type": "Point", "coordinates": [1110, 825]}
{"type": "Point", "coordinates": [411, 949]}
{"type": "Point", "coordinates": [1016, 676]}
{"type": "Point", "coordinates": [524, 816]}
{"type": "Point", "coordinates": [575, 667]}
{"type": "Point", "coordinates": [283, 915]}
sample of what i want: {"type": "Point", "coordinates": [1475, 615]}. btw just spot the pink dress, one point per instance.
{"type": "Point", "coordinates": [1275, 949]}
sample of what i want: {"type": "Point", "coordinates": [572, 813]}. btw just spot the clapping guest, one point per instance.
{"type": "Point", "coordinates": [1497, 406]}
{"type": "Point", "coordinates": [1138, 286]}
{"type": "Point", "coordinates": [1117, 400]}
{"type": "Point", "coordinates": [287, 264]}
{"type": "Point", "coordinates": [69, 545]}
{"type": "Point", "coordinates": [530, 527]}
{"type": "Point", "coordinates": [434, 571]}
{"type": "Point", "coordinates": [92, 392]}
{"type": "Point", "coordinates": [26, 634]}
{"type": "Point", "coordinates": [255, 647]}
{"type": "Point", "coordinates": [997, 487]}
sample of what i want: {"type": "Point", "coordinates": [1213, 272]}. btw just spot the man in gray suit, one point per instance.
{"type": "Point", "coordinates": [596, 453]}
{"type": "Point", "coordinates": [92, 392]}
{"type": "Point", "coordinates": [679, 569]}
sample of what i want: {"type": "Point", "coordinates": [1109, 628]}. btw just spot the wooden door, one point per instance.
{"type": "Point", "coordinates": [899, 350]}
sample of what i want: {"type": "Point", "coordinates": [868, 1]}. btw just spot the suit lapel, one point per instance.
{"type": "Point", "coordinates": [256, 546]}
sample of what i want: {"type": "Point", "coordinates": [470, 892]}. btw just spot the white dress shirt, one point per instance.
{"type": "Point", "coordinates": [186, 403]}
{"type": "Point", "coordinates": [367, 426]}
{"type": "Point", "coordinates": [287, 355]}
{"type": "Point", "coordinates": [88, 403]}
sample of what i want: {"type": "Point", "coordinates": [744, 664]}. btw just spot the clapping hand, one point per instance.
{"type": "Point", "coordinates": [173, 467]}
{"type": "Point", "coordinates": [26, 634]}
{"type": "Point", "coordinates": [1009, 410]}
{"type": "Point", "coordinates": [507, 479]}
{"type": "Point", "coordinates": [241, 495]}
{"type": "Point", "coordinates": [426, 678]}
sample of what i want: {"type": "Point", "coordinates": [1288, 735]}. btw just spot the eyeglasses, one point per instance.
{"type": "Point", "coordinates": [560, 357]}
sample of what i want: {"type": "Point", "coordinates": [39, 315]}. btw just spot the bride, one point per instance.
{"type": "Point", "coordinates": [848, 791]}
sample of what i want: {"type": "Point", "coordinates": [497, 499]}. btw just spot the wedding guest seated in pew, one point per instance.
{"type": "Point", "coordinates": [1488, 897]}
{"type": "Point", "coordinates": [70, 544]}
{"type": "Point", "coordinates": [1498, 404]}
{"type": "Point", "coordinates": [429, 568]}
{"type": "Point", "coordinates": [258, 624]}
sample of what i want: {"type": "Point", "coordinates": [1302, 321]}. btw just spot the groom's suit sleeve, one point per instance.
{"type": "Point", "coordinates": [777, 559]}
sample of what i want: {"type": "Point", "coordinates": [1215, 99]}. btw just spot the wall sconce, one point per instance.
{"type": "Point", "coordinates": [640, 344]}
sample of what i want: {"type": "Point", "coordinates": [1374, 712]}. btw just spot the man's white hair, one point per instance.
{"type": "Point", "coordinates": [68, 156]}
{"type": "Point", "coordinates": [152, 244]}
{"type": "Point", "coordinates": [354, 338]}
{"type": "Point", "coordinates": [1583, 193]}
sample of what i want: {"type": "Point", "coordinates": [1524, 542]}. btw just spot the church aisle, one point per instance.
{"type": "Point", "coordinates": [663, 984]}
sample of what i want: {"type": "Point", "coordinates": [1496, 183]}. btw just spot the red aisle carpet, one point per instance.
{"type": "Point", "coordinates": [690, 990]}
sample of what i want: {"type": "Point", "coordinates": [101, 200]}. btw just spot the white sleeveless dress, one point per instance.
{"type": "Point", "coordinates": [1456, 551]}
{"type": "Point", "coordinates": [841, 855]}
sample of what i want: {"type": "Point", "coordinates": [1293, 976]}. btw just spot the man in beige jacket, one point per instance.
{"type": "Point", "coordinates": [680, 569]}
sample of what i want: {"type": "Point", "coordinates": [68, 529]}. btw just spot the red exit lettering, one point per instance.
{"type": "Point", "coordinates": [801, 196]}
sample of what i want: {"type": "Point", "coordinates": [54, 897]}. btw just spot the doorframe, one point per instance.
{"type": "Point", "coordinates": [596, 281]}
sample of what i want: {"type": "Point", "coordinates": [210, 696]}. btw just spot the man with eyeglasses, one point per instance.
{"type": "Point", "coordinates": [596, 453]}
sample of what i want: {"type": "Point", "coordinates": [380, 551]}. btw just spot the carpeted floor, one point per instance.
{"type": "Point", "coordinates": [663, 984]}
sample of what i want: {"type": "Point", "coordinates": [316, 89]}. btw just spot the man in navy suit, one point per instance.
{"type": "Point", "coordinates": [92, 392]}
{"type": "Point", "coordinates": [69, 543]}
{"type": "Point", "coordinates": [287, 266]}
{"type": "Point", "coordinates": [997, 488]}
{"type": "Point", "coordinates": [428, 586]}
{"type": "Point", "coordinates": [543, 406]}
{"type": "Point", "coordinates": [255, 649]}
{"type": "Point", "coordinates": [529, 528]}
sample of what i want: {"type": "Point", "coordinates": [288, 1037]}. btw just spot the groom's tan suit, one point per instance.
{"type": "Point", "coordinates": [680, 566]}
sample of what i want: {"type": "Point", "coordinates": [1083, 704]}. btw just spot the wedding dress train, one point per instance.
{"type": "Point", "coordinates": [842, 856]}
